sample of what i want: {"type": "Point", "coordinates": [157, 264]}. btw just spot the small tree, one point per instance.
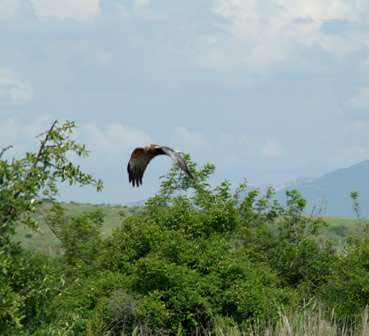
{"type": "Point", "coordinates": [193, 255]}
{"type": "Point", "coordinates": [24, 184]}
{"type": "Point", "coordinates": [79, 235]}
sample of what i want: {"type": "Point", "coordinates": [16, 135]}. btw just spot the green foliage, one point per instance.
{"type": "Point", "coordinates": [191, 255]}
{"type": "Point", "coordinates": [299, 257]}
{"type": "Point", "coordinates": [195, 260]}
{"type": "Point", "coordinates": [80, 236]}
{"type": "Point", "coordinates": [45, 241]}
{"type": "Point", "coordinates": [25, 182]}
{"type": "Point", "coordinates": [27, 281]}
{"type": "Point", "coordinates": [200, 252]}
{"type": "Point", "coordinates": [347, 287]}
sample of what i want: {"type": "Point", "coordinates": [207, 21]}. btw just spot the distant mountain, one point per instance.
{"type": "Point", "coordinates": [293, 183]}
{"type": "Point", "coordinates": [333, 191]}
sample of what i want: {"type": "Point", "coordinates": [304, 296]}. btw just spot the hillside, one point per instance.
{"type": "Point", "coordinates": [45, 241]}
{"type": "Point", "coordinates": [332, 191]}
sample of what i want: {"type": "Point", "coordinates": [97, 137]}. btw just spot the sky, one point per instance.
{"type": "Point", "coordinates": [265, 90]}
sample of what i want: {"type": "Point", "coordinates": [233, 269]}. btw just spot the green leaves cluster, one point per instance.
{"type": "Point", "coordinates": [27, 281]}
{"type": "Point", "coordinates": [25, 182]}
{"type": "Point", "coordinates": [200, 252]}
{"type": "Point", "coordinates": [195, 255]}
{"type": "Point", "coordinates": [79, 235]}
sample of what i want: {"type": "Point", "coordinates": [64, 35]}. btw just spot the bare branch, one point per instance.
{"type": "Point", "coordinates": [3, 150]}
{"type": "Point", "coordinates": [55, 231]}
{"type": "Point", "coordinates": [47, 132]}
{"type": "Point", "coordinates": [48, 224]}
{"type": "Point", "coordinates": [37, 160]}
{"type": "Point", "coordinates": [11, 208]}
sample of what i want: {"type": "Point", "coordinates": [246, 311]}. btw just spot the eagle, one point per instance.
{"type": "Point", "coordinates": [141, 157]}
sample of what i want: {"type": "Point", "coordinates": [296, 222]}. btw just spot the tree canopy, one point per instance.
{"type": "Point", "coordinates": [196, 256]}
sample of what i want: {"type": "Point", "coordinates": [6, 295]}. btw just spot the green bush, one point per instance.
{"type": "Point", "coordinates": [28, 282]}
{"type": "Point", "coordinates": [188, 258]}
{"type": "Point", "coordinates": [347, 288]}
{"type": "Point", "coordinates": [195, 258]}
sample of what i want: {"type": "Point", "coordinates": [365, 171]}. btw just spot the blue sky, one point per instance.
{"type": "Point", "coordinates": [266, 90]}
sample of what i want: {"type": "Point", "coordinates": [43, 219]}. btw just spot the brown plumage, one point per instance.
{"type": "Point", "coordinates": [141, 157]}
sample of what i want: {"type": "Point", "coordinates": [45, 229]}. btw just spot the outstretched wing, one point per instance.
{"type": "Point", "coordinates": [139, 160]}
{"type": "Point", "coordinates": [177, 158]}
{"type": "Point", "coordinates": [141, 157]}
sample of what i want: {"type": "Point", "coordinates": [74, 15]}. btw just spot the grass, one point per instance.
{"type": "Point", "coordinates": [44, 240]}
{"type": "Point", "coordinates": [315, 323]}
{"type": "Point", "coordinates": [310, 322]}
{"type": "Point", "coordinates": [340, 228]}
{"type": "Point", "coordinates": [304, 322]}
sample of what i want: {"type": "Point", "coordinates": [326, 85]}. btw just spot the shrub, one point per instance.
{"type": "Point", "coordinates": [185, 259]}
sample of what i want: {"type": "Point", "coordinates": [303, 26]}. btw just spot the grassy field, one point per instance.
{"type": "Point", "coordinates": [44, 240]}
{"type": "Point", "coordinates": [338, 229]}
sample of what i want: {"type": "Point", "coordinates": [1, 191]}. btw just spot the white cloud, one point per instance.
{"type": "Point", "coordinates": [235, 149]}
{"type": "Point", "coordinates": [360, 100]}
{"type": "Point", "coordinates": [84, 11]}
{"type": "Point", "coordinates": [100, 59]}
{"type": "Point", "coordinates": [8, 8]}
{"type": "Point", "coordinates": [349, 155]}
{"type": "Point", "coordinates": [360, 126]}
{"type": "Point", "coordinates": [9, 131]}
{"type": "Point", "coordinates": [272, 148]}
{"type": "Point", "coordinates": [252, 145]}
{"type": "Point", "coordinates": [140, 3]}
{"type": "Point", "coordinates": [12, 89]}
{"type": "Point", "coordinates": [113, 141]}
{"type": "Point", "coordinates": [188, 141]}
{"type": "Point", "coordinates": [319, 10]}
{"type": "Point", "coordinates": [23, 137]}
{"type": "Point", "coordinates": [140, 9]}
{"type": "Point", "coordinates": [268, 32]}
{"type": "Point", "coordinates": [235, 139]}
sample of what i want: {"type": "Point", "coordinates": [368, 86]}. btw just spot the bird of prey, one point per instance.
{"type": "Point", "coordinates": [141, 157]}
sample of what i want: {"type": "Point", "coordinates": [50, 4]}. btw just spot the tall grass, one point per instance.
{"type": "Point", "coordinates": [298, 323]}
{"type": "Point", "coordinates": [314, 323]}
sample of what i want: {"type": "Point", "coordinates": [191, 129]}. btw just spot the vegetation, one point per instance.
{"type": "Point", "coordinates": [194, 260]}
{"type": "Point", "coordinates": [44, 240]}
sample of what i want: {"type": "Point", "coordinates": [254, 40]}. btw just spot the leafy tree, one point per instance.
{"type": "Point", "coordinates": [347, 288]}
{"type": "Point", "coordinates": [191, 256]}
{"type": "Point", "coordinates": [300, 258]}
{"type": "Point", "coordinates": [79, 235]}
{"type": "Point", "coordinates": [26, 281]}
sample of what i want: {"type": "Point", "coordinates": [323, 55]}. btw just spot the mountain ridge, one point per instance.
{"type": "Point", "coordinates": [331, 191]}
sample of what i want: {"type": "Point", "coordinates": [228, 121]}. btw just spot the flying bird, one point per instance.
{"type": "Point", "coordinates": [141, 157]}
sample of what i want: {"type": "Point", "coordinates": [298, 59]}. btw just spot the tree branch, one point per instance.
{"type": "Point", "coordinates": [3, 150]}
{"type": "Point", "coordinates": [11, 208]}
{"type": "Point", "coordinates": [37, 160]}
